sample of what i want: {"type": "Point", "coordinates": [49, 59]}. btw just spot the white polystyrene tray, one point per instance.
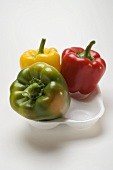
{"type": "Point", "coordinates": [84, 112]}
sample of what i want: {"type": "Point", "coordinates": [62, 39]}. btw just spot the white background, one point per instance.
{"type": "Point", "coordinates": [64, 23]}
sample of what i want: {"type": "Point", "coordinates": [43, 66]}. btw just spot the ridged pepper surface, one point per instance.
{"type": "Point", "coordinates": [39, 93]}
{"type": "Point", "coordinates": [47, 55]}
{"type": "Point", "coordinates": [82, 69]}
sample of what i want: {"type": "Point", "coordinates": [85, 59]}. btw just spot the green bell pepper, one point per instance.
{"type": "Point", "coordinates": [39, 93]}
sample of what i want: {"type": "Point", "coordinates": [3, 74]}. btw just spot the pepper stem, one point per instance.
{"type": "Point", "coordinates": [86, 52]}
{"type": "Point", "coordinates": [41, 48]}
{"type": "Point", "coordinates": [88, 48]}
{"type": "Point", "coordinates": [34, 90]}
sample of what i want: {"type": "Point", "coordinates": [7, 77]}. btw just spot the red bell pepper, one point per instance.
{"type": "Point", "coordinates": [82, 69]}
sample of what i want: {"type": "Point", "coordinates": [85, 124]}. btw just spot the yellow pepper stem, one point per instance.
{"type": "Point", "coordinates": [41, 48]}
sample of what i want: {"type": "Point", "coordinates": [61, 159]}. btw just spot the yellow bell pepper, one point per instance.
{"type": "Point", "coordinates": [47, 55]}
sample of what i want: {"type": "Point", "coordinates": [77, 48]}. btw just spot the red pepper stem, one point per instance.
{"type": "Point", "coordinates": [88, 48]}
{"type": "Point", "coordinates": [41, 48]}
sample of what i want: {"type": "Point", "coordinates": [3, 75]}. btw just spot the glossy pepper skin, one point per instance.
{"type": "Point", "coordinates": [47, 55]}
{"type": "Point", "coordinates": [39, 93]}
{"type": "Point", "coordinates": [82, 69]}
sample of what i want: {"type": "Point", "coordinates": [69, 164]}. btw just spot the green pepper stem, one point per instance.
{"type": "Point", "coordinates": [30, 90]}
{"type": "Point", "coordinates": [88, 48]}
{"type": "Point", "coordinates": [41, 48]}
{"type": "Point", "coordinates": [34, 90]}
